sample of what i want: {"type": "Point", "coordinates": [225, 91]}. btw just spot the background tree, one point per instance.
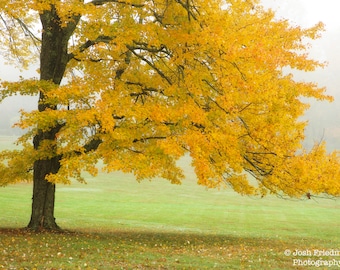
{"type": "Point", "coordinates": [138, 84]}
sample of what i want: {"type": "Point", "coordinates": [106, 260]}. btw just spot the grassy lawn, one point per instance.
{"type": "Point", "coordinates": [114, 222]}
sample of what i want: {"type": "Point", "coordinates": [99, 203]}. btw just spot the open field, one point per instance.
{"type": "Point", "coordinates": [114, 222]}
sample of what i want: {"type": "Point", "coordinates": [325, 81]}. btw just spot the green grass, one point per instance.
{"type": "Point", "coordinates": [114, 222]}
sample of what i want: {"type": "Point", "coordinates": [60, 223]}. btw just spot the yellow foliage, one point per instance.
{"type": "Point", "coordinates": [150, 81]}
{"type": "Point", "coordinates": [16, 166]}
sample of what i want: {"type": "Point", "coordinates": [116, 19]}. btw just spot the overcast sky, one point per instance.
{"type": "Point", "coordinates": [308, 12]}
{"type": "Point", "coordinates": [300, 12]}
{"type": "Point", "coordinates": [324, 117]}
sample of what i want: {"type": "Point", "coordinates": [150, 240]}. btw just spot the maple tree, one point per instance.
{"type": "Point", "coordinates": [137, 84]}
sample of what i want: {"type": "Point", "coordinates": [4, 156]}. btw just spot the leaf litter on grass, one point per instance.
{"type": "Point", "coordinates": [135, 249]}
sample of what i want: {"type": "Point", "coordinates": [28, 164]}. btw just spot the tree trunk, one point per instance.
{"type": "Point", "coordinates": [42, 216]}
{"type": "Point", "coordinates": [53, 61]}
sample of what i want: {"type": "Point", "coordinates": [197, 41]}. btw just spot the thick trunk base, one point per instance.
{"type": "Point", "coordinates": [43, 225]}
{"type": "Point", "coordinates": [42, 217]}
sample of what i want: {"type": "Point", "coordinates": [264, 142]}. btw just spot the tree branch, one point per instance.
{"type": "Point", "coordinates": [92, 145]}
{"type": "Point", "coordinates": [99, 39]}
{"type": "Point", "coordinates": [28, 32]}
{"type": "Point", "coordinates": [152, 65]}
{"type": "Point", "coordinates": [90, 43]}
{"type": "Point", "coordinates": [243, 76]}
{"type": "Point", "coordinates": [102, 2]}
{"type": "Point", "coordinates": [256, 164]}
{"type": "Point", "coordinates": [186, 5]}
{"type": "Point", "coordinates": [149, 138]}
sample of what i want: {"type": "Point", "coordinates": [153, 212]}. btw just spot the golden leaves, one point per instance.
{"type": "Point", "coordinates": [160, 79]}
{"type": "Point", "coordinates": [29, 87]}
{"type": "Point", "coordinates": [315, 178]}
{"type": "Point", "coordinates": [16, 165]}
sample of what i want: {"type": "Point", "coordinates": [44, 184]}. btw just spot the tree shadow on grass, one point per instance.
{"type": "Point", "coordinates": [152, 249]}
{"type": "Point", "coordinates": [153, 236]}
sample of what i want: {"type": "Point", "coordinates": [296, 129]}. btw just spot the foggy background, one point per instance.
{"type": "Point", "coordinates": [323, 117]}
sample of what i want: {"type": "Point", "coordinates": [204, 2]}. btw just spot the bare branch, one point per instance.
{"type": "Point", "coordinates": [99, 39]}
{"type": "Point", "coordinates": [239, 70]}
{"type": "Point", "coordinates": [90, 43]}
{"type": "Point", "coordinates": [212, 87]}
{"type": "Point", "coordinates": [218, 105]}
{"type": "Point", "coordinates": [160, 73]}
{"type": "Point", "coordinates": [102, 2]}
{"type": "Point", "coordinates": [123, 66]}
{"type": "Point", "coordinates": [149, 138]}
{"type": "Point", "coordinates": [187, 7]}
{"type": "Point", "coordinates": [153, 49]}
{"type": "Point", "coordinates": [28, 32]}
{"type": "Point", "coordinates": [11, 39]}
{"type": "Point", "coordinates": [92, 145]}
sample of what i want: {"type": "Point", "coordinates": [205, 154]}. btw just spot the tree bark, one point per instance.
{"type": "Point", "coordinates": [42, 216]}
{"type": "Point", "coordinates": [53, 61]}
